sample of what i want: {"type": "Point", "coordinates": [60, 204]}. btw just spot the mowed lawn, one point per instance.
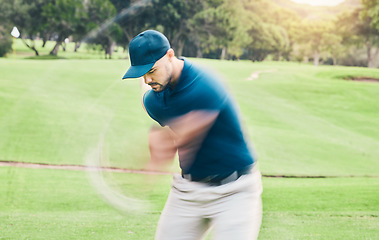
{"type": "Point", "coordinates": [302, 120]}
{"type": "Point", "coordinates": [62, 204]}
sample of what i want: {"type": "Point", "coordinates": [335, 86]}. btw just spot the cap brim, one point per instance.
{"type": "Point", "coordinates": [137, 71]}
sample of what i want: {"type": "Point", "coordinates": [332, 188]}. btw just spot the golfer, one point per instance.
{"type": "Point", "coordinates": [220, 185]}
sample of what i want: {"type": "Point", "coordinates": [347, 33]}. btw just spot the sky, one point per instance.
{"type": "Point", "coordinates": [319, 2]}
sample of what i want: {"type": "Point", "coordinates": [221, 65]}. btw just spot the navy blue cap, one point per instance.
{"type": "Point", "coordinates": [144, 50]}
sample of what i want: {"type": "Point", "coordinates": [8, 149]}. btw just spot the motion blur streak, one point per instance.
{"type": "Point", "coordinates": [94, 159]}
{"type": "Point", "coordinates": [130, 11]}
{"type": "Point", "coordinates": [96, 156]}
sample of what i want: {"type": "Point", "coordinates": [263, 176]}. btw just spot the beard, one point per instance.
{"type": "Point", "coordinates": [159, 87]}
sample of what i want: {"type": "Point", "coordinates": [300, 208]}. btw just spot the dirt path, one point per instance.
{"type": "Point", "coordinates": [256, 74]}
{"type": "Point", "coordinates": [78, 168]}
{"type": "Point", "coordinates": [138, 171]}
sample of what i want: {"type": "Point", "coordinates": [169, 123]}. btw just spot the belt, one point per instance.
{"type": "Point", "coordinates": [217, 180]}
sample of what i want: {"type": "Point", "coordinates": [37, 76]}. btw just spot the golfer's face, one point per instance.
{"type": "Point", "coordinates": [159, 75]}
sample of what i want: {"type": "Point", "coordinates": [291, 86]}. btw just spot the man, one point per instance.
{"type": "Point", "coordinates": [220, 186]}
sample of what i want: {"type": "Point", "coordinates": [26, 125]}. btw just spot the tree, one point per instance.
{"type": "Point", "coordinates": [5, 28]}
{"type": "Point", "coordinates": [371, 10]}
{"type": "Point", "coordinates": [133, 16]}
{"type": "Point", "coordinates": [64, 17]}
{"type": "Point", "coordinates": [97, 12]}
{"type": "Point", "coordinates": [5, 41]}
{"type": "Point", "coordinates": [369, 28]}
{"type": "Point", "coordinates": [173, 18]}
{"type": "Point", "coordinates": [289, 21]}
{"type": "Point", "coordinates": [332, 44]}
{"type": "Point", "coordinates": [356, 29]}
{"type": "Point", "coordinates": [301, 52]}
{"type": "Point", "coordinates": [281, 42]}
{"type": "Point", "coordinates": [26, 15]}
{"type": "Point", "coordinates": [266, 39]}
{"type": "Point", "coordinates": [267, 36]}
{"type": "Point", "coordinates": [222, 25]}
{"type": "Point", "coordinates": [313, 33]}
{"type": "Point", "coordinates": [106, 39]}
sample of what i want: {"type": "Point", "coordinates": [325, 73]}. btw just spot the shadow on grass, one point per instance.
{"type": "Point", "coordinates": [45, 57]}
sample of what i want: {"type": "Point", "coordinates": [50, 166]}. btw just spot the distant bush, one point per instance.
{"type": "Point", "coordinates": [5, 42]}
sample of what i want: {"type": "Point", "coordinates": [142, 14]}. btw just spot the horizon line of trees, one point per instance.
{"type": "Point", "coordinates": [224, 29]}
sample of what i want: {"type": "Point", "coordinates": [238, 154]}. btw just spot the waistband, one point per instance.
{"type": "Point", "coordinates": [217, 180]}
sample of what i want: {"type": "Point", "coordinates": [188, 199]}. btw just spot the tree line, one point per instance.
{"type": "Point", "coordinates": [224, 29]}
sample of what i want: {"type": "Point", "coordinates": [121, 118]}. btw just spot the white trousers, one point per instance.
{"type": "Point", "coordinates": [233, 210]}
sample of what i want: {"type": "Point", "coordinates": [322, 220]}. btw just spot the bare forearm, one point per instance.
{"type": "Point", "coordinates": [190, 131]}
{"type": "Point", "coordinates": [162, 148]}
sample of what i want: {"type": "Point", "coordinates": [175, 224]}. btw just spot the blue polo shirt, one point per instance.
{"type": "Point", "coordinates": [224, 148]}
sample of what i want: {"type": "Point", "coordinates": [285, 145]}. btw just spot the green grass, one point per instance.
{"type": "Point", "coordinates": [303, 120]}
{"type": "Point", "coordinates": [334, 208]}
{"type": "Point", "coordinates": [61, 204]}
{"type": "Point", "coordinates": [56, 111]}
{"type": "Point", "coordinates": [85, 51]}
{"type": "Point", "coordinates": [307, 120]}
